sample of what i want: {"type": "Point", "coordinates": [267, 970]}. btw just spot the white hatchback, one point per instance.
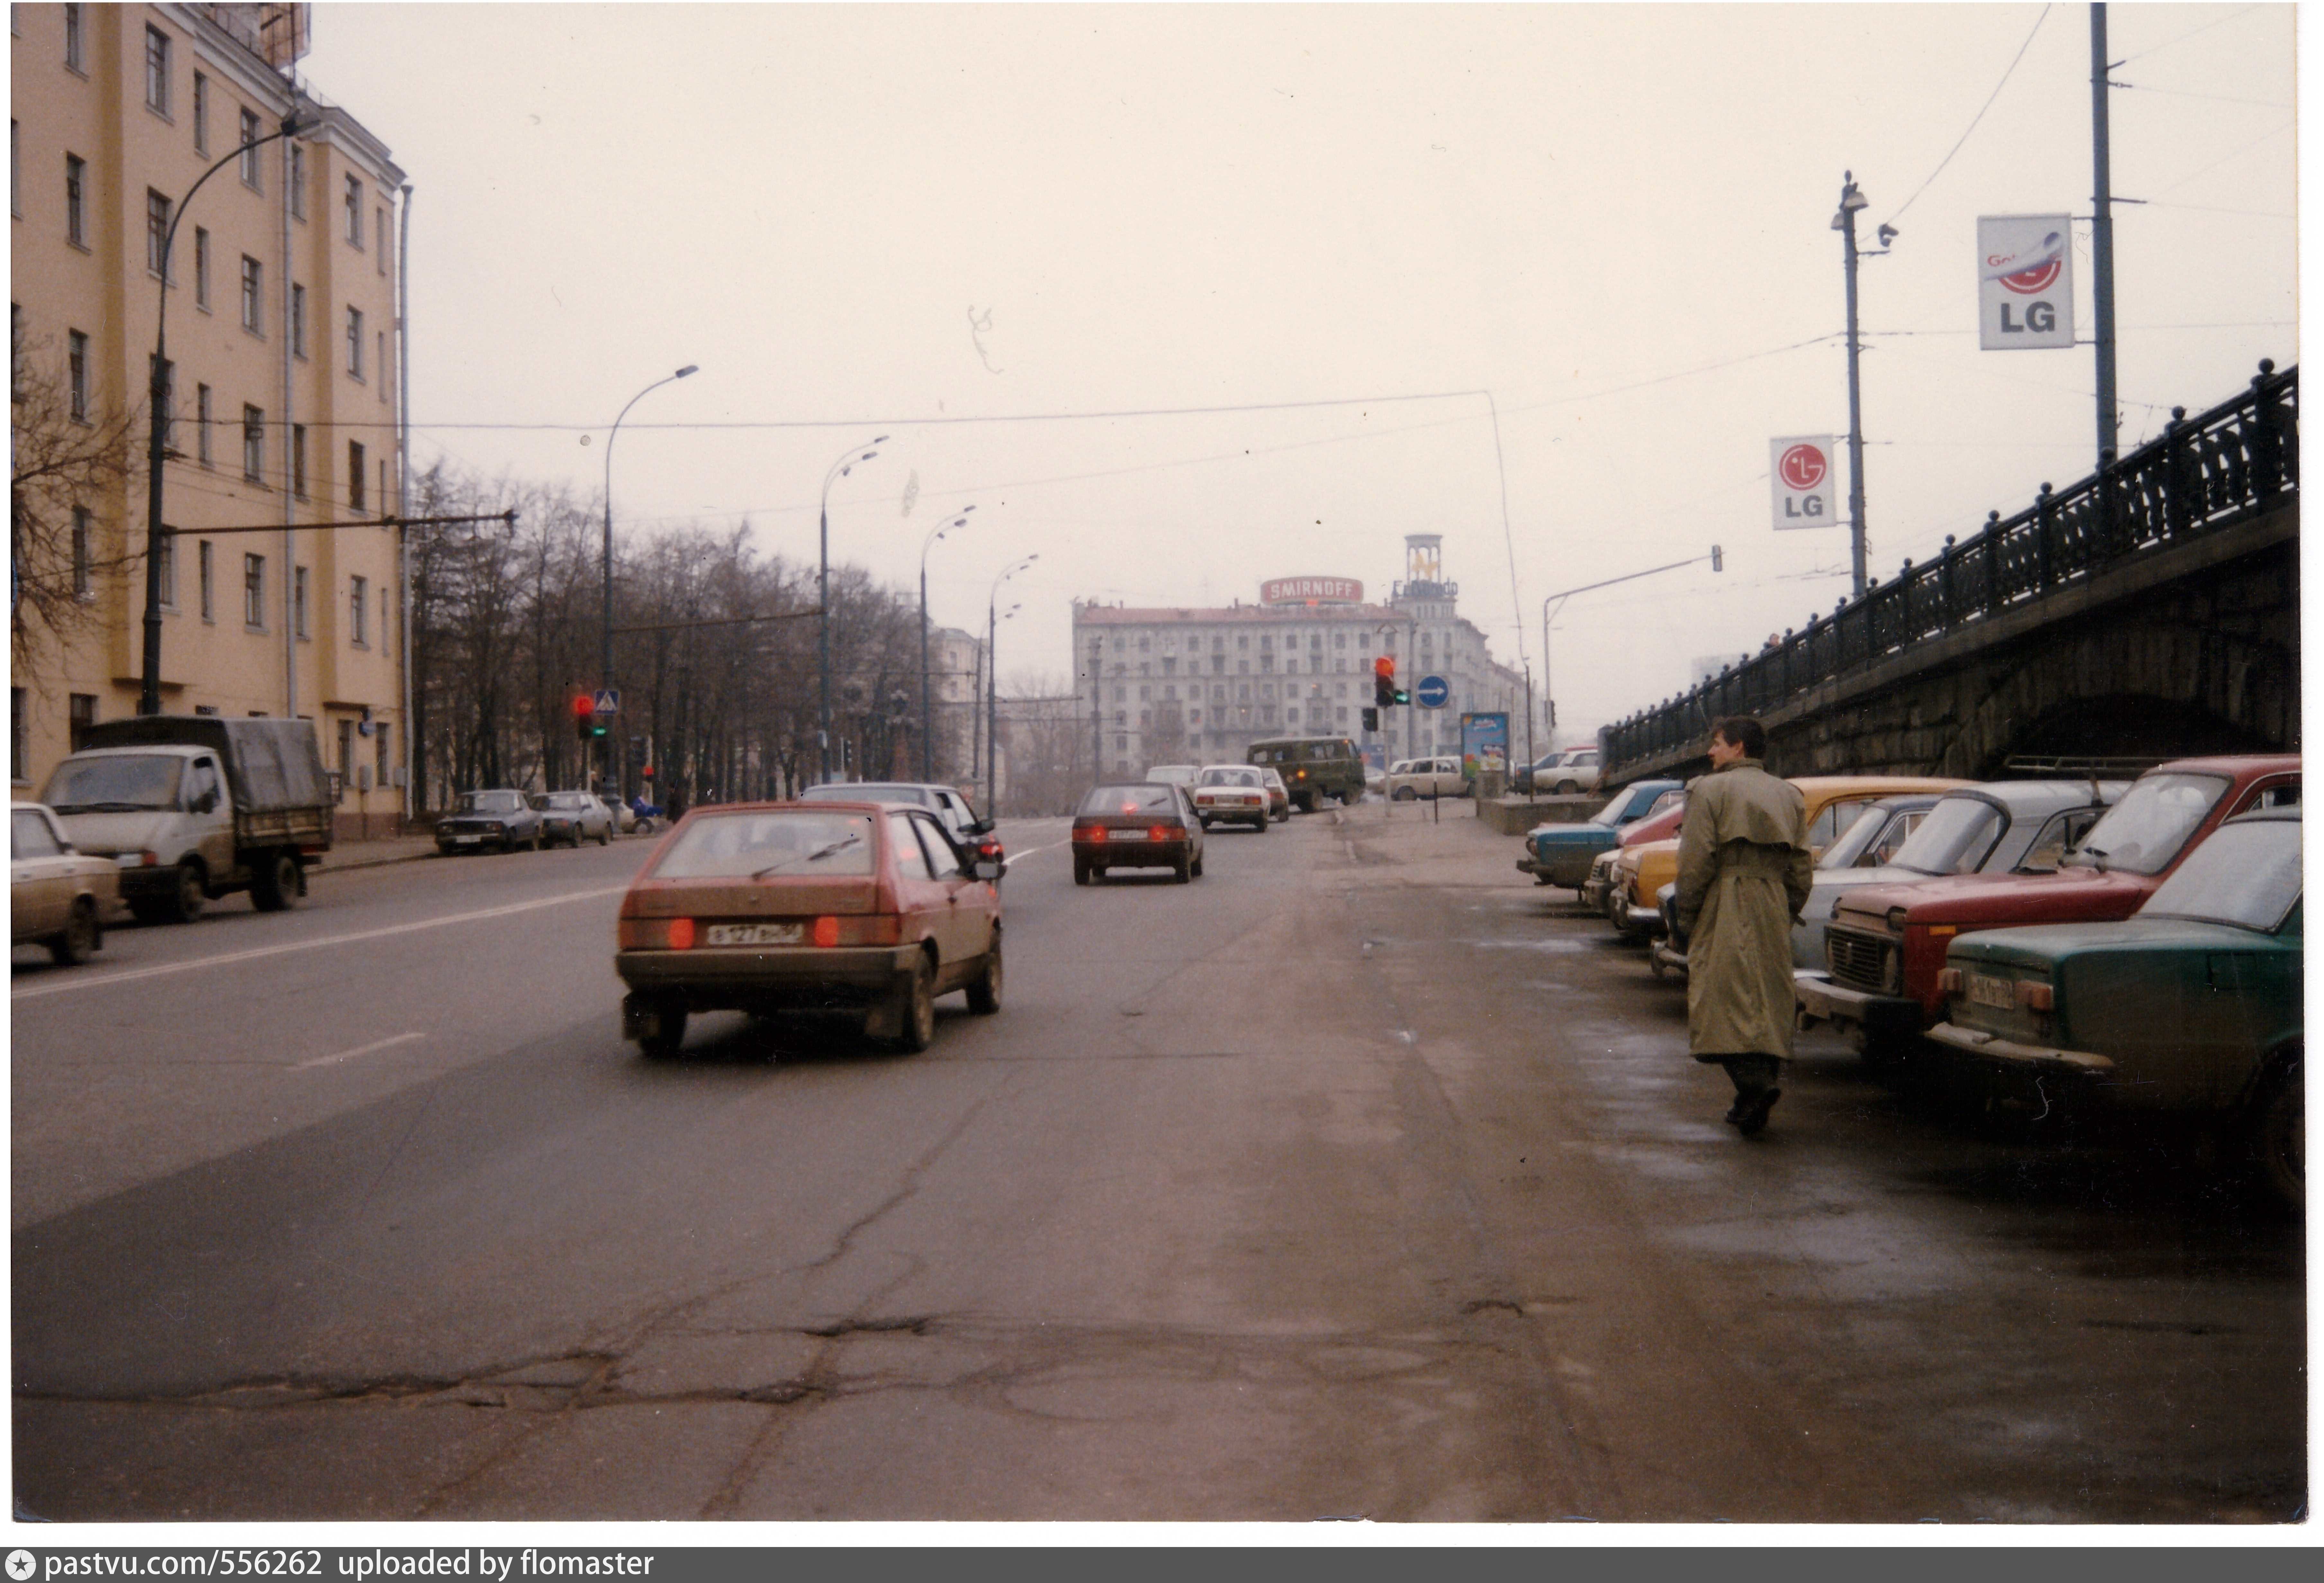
{"type": "Point", "coordinates": [1427, 778]}
{"type": "Point", "coordinates": [1231, 793]}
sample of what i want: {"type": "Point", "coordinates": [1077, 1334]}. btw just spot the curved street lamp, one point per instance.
{"type": "Point", "coordinates": [149, 690]}
{"type": "Point", "coordinates": [839, 470]}
{"type": "Point", "coordinates": [928, 708]}
{"type": "Point", "coordinates": [615, 761]}
{"type": "Point", "coordinates": [992, 686]}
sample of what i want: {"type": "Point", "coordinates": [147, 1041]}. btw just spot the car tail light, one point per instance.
{"type": "Point", "coordinates": [655, 934]}
{"type": "Point", "coordinates": [1948, 982]}
{"type": "Point", "coordinates": [1164, 833]}
{"type": "Point", "coordinates": [149, 859]}
{"type": "Point", "coordinates": [2035, 997]}
{"type": "Point", "coordinates": [870, 929]}
{"type": "Point", "coordinates": [826, 931]}
{"type": "Point", "coordinates": [1089, 832]}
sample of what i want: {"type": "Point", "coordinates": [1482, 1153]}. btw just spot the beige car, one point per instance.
{"type": "Point", "coordinates": [1427, 778]}
{"type": "Point", "coordinates": [1234, 794]}
{"type": "Point", "coordinates": [57, 897]}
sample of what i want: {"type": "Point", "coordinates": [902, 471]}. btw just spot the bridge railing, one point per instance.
{"type": "Point", "coordinates": [2202, 473]}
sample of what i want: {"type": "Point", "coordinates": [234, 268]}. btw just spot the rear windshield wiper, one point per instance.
{"type": "Point", "coordinates": [817, 856]}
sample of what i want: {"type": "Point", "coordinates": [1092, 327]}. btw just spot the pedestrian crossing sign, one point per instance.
{"type": "Point", "coordinates": [607, 702]}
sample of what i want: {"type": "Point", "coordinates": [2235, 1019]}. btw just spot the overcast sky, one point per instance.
{"type": "Point", "coordinates": [1023, 241]}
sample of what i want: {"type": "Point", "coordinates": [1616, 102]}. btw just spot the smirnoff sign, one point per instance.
{"type": "Point", "coordinates": [1311, 590]}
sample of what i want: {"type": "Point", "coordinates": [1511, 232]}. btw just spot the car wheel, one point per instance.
{"type": "Point", "coordinates": [606, 836]}
{"type": "Point", "coordinates": [985, 990]}
{"type": "Point", "coordinates": [1183, 871]}
{"type": "Point", "coordinates": [276, 885]}
{"type": "Point", "coordinates": [2279, 1137]}
{"type": "Point", "coordinates": [916, 1012]}
{"type": "Point", "coordinates": [186, 899]}
{"type": "Point", "coordinates": [1405, 793]}
{"type": "Point", "coordinates": [535, 844]}
{"type": "Point", "coordinates": [1263, 822]}
{"type": "Point", "coordinates": [81, 936]}
{"type": "Point", "coordinates": [1198, 866]}
{"type": "Point", "coordinates": [663, 1032]}
{"type": "Point", "coordinates": [1566, 788]}
{"type": "Point", "coordinates": [1081, 873]}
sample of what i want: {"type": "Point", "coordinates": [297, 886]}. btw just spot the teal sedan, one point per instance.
{"type": "Point", "coordinates": [2191, 1005]}
{"type": "Point", "coordinates": [1561, 854]}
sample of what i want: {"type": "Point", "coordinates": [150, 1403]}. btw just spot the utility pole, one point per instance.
{"type": "Point", "coordinates": [1844, 222]}
{"type": "Point", "coordinates": [2102, 238]}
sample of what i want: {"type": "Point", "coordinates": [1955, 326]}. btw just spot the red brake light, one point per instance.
{"type": "Point", "coordinates": [826, 931]}
{"type": "Point", "coordinates": [1159, 833]}
{"type": "Point", "coordinates": [681, 934]}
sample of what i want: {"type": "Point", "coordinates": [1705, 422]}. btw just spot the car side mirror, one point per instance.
{"type": "Point", "coordinates": [987, 869]}
{"type": "Point", "coordinates": [979, 827]}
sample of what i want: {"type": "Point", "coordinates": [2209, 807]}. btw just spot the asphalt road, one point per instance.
{"type": "Point", "coordinates": [1360, 1178]}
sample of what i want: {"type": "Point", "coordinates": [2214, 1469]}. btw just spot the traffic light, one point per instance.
{"type": "Point", "coordinates": [1371, 719]}
{"type": "Point", "coordinates": [1714, 559]}
{"type": "Point", "coordinates": [1384, 694]}
{"type": "Point", "coordinates": [584, 716]}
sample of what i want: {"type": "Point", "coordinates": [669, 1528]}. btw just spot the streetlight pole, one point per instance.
{"type": "Point", "coordinates": [927, 707]}
{"type": "Point", "coordinates": [992, 687]}
{"type": "Point", "coordinates": [839, 470]}
{"type": "Point", "coordinates": [1548, 694]}
{"type": "Point", "coordinates": [613, 758]}
{"type": "Point", "coordinates": [1852, 202]}
{"type": "Point", "coordinates": [149, 691]}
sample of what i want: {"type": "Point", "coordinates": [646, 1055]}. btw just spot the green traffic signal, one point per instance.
{"type": "Point", "coordinates": [1402, 695]}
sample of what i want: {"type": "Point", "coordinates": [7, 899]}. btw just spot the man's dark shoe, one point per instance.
{"type": "Point", "coordinates": [1734, 1116]}
{"type": "Point", "coordinates": [1752, 1119]}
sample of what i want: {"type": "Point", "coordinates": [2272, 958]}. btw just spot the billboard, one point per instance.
{"type": "Point", "coordinates": [1484, 743]}
{"type": "Point", "coordinates": [1311, 590]}
{"type": "Point", "coordinates": [1802, 471]}
{"type": "Point", "coordinates": [2024, 282]}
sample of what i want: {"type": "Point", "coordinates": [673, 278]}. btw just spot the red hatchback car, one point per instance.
{"type": "Point", "coordinates": [778, 907]}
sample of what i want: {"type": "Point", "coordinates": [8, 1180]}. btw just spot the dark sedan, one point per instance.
{"type": "Point", "coordinates": [506, 820]}
{"type": "Point", "coordinates": [1144, 826]}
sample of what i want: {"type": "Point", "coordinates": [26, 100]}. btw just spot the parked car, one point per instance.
{"type": "Point", "coordinates": [1232, 793]}
{"type": "Point", "coordinates": [967, 829]}
{"type": "Point", "coordinates": [1521, 775]}
{"type": "Point", "coordinates": [1278, 795]}
{"type": "Point", "coordinates": [1174, 774]}
{"type": "Point", "coordinates": [1598, 892]}
{"type": "Point", "coordinates": [1412, 778]}
{"type": "Point", "coordinates": [57, 897]}
{"type": "Point", "coordinates": [1885, 944]}
{"type": "Point", "coordinates": [2191, 1005]}
{"type": "Point", "coordinates": [775, 906]}
{"type": "Point", "coordinates": [1314, 768]}
{"type": "Point", "coordinates": [1562, 854]}
{"type": "Point", "coordinates": [1576, 771]}
{"type": "Point", "coordinates": [192, 808]}
{"type": "Point", "coordinates": [1832, 802]}
{"type": "Point", "coordinates": [1148, 825]}
{"type": "Point", "coordinates": [573, 817]}
{"type": "Point", "coordinates": [500, 818]}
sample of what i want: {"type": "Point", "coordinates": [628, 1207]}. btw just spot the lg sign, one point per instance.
{"type": "Point", "coordinates": [1801, 469]}
{"type": "Point", "coordinates": [2025, 283]}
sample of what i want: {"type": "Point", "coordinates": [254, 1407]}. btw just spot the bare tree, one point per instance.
{"type": "Point", "coordinates": [64, 466]}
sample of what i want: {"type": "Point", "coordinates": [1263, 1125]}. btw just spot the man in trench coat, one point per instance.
{"type": "Point", "coordinates": [1744, 870]}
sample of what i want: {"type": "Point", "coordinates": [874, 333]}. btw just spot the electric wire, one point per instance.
{"type": "Point", "coordinates": [1973, 120]}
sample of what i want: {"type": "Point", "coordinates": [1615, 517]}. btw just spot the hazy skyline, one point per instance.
{"type": "Point", "coordinates": [1410, 259]}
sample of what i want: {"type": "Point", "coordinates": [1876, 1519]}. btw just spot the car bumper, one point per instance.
{"type": "Point", "coordinates": [1594, 893]}
{"type": "Point", "coordinates": [1642, 920]}
{"type": "Point", "coordinates": [1670, 958]}
{"type": "Point", "coordinates": [713, 979]}
{"type": "Point", "coordinates": [2025, 1057]}
{"type": "Point", "coordinates": [1134, 854]}
{"type": "Point", "coordinates": [1820, 999]}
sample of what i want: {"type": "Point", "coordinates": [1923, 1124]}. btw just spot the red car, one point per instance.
{"type": "Point", "coordinates": [1885, 944]}
{"type": "Point", "coordinates": [776, 907]}
{"type": "Point", "coordinates": [1150, 824]}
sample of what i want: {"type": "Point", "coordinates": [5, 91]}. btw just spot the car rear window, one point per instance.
{"type": "Point", "coordinates": [1231, 775]}
{"type": "Point", "coordinates": [1130, 799]}
{"type": "Point", "coordinates": [789, 841]}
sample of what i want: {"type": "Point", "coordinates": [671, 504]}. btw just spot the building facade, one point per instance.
{"type": "Point", "coordinates": [1164, 686]}
{"type": "Point", "coordinates": [284, 380]}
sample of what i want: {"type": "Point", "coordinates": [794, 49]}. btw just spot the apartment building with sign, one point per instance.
{"type": "Point", "coordinates": [283, 375]}
{"type": "Point", "coordinates": [1190, 685]}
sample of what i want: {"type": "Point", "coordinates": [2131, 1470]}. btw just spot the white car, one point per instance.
{"type": "Point", "coordinates": [1410, 779]}
{"type": "Point", "coordinates": [1577, 771]}
{"type": "Point", "coordinates": [1231, 793]}
{"type": "Point", "coordinates": [1174, 774]}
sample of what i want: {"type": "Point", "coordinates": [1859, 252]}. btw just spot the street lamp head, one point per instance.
{"type": "Point", "coordinates": [689, 368]}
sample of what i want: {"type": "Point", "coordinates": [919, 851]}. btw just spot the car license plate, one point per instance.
{"type": "Point", "coordinates": [466, 840]}
{"type": "Point", "coordinates": [1987, 990]}
{"type": "Point", "coordinates": [756, 933]}
{"type": "Point", "coordinates": [1125, 835]}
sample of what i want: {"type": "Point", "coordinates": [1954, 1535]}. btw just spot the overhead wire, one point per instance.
{"type": "Point", "coordinates": [1973, 120]}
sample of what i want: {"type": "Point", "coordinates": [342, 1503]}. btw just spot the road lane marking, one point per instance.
{"type": "Point", "coordinates": [386, 1044]}
{"type": "Point", "coordinates": [33, 992]}
{"type": "Point", "coordinates": [1029, 851]}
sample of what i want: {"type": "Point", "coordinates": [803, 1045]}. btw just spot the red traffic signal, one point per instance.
{"type": "Point", "coordinates": [1384, 682]}
{"type": "Point", "coordinates": [584, 704]}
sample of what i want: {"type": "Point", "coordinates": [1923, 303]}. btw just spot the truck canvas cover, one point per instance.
{"type": "Point", "coordinates": [271, 765]}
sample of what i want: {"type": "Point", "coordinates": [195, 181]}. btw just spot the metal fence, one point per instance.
{"type": "Point", "coordinates": [2202, 474]}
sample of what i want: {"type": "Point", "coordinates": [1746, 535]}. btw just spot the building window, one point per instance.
{"type": "Point", "coordinates": [157, 233]}
{"type": "Point", "coordinates": [201, 113]}
{"type": "Point", "coordinates": [202, 269]}
{"type": "Point", "coordinates": [359, 611]}
{"type": "Point", "coordinates": [298, 181]}
{"type": "Point", "coordinates": [298, 319]}
{"type": "Point", "coordinates": [73, 40]}
{"type": "Point", "coordinates": [254, 295]}
{"type": "Point", "coordinates": [76, 201]}
{"type": "Point", "coordinates": [299, 601]}
{"type": "Point", "coordinates": [206, 575]}
{"type": "Point", "coordinates": [157, 71]}
{"type": "Point", "coordinates": [81, 714]}
{"type": "Point", "coordinates": [355, 474]}
{"type": "Point", "coordinates": [77, 375]}
{"type": "Point", "coordinates": [253, 444]}
{"type": "Point", "coordinates": [254, 592]}
{"type": "Point", "coordinates": [386, 621]}
{"type": "Point", "coordinates": [385, 774]}
{"type": "Point", "coordinates": [82, 581]}
{"type": "Point", "coordinates": [166, 552]}
{"type": "Point", "coordinates": [202, 423]}
{"type": "Point", "coordinates": [346, 754]}
{"type": "Point", "coordinates": [379, 233]}
{"type": "Point", "coordinates": [355, 211]}
{"type": "Point", "coordinates": [252, 176]}
{"type": "Point", "coordinates": [355, 342]}
{"type": "Point", "coordinates": [298, 460]}
{"type": "Point", "coordinates": [380, 363]}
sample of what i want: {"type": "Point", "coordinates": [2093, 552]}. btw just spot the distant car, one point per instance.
{"type": "Point", "coordinates": [1427, 778]}
{"type": "Point", "coordinates": [1313, 767]}
{"type": "Point", "coordinates": [1233, 794]}
{"type": "Point", "coordinates": [775, 906]}
{"type": "Point", "coordinates": [1575, 771]}
{"type": "Point", "coordinates": [1146, 824]}
{"type": "Point", "coordinates": [1174, 774]}
{"type": "Point", "coordinates": [2191, 1005]}
{"type": "Point", "coordinates": [1522, 777]}
{"type": "Point", "coordinates": [1278, 795]}
{"type": "Point", "coordinates": [500, 818]}
{"type": "Point", "coordinates": [574, 817]}
{"type": "Point", "coordinates": [1562, 854]}
{"type": "Point", "coordinates": [945, 802]}
{"type": "Point", "coordinates": [57, 897]}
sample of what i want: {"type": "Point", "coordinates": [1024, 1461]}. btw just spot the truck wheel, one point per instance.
{"type": "Point", "coordinates": [184, 903]}
{"type": "Point", "coordinates": [81, 936]}
{"type": "Point", "coordinates": [276, 887]}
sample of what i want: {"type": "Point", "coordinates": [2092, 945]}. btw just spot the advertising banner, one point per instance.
{"type": "Point", "coordinates": [1801, 469]}
{"type": "Point", "coordinates": [1484, 743]}
{"type": "Point", "coordinates": [2024, 282]}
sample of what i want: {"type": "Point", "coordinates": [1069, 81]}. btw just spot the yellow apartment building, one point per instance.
{"type": "Point", "coordinates": [284, 373]}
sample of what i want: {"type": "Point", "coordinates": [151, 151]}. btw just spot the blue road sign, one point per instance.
{"type": "Point", "coordinates": [608, 701]}
{"type": "Point", "coordinates": [1432, 693]}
